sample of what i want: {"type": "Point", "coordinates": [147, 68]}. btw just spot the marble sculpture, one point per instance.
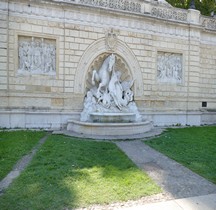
{"type": "Point", "coordinates": [109, 93]}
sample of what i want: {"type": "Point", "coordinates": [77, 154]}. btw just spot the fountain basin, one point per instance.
{"type": "Point", "coordinates": [109, 129]}
{"type": "Point", "coordinates": [112, 117]}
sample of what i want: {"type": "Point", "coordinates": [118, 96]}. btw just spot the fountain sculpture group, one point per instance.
{"type": "Point", "coordinates": [109, 106]}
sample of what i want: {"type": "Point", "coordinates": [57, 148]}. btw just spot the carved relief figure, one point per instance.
{"type": "Point", "coordinates": [31, 48]}
{"type": "Point", "coordinates": [37, 56]}
{"type": "Point", "coordinates": [169, 67]}
{"type": "Point", "coordinates": [22, 56]}
{"type": "Point", "coordinates": [50, 55]}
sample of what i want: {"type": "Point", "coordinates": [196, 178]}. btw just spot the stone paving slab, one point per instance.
{"type": "Point", "coordinates": [168, 205]}
{"type": "Point", "coordinates": [206, 202]}
{"type": "Point", "coordinates": [175, 179]}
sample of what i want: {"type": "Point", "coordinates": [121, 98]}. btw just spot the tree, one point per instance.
{"type": "Point", "coordinates": [179, 3]}
{"type": "Point", "coordinates": [206, 7]}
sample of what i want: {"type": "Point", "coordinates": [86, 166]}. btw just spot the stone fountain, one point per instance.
{"type": "Point", "coordinates": [109, 106]}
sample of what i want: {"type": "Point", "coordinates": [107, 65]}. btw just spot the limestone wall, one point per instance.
{"type": "Point", "coordinates": [3, 55]}
{"type": "Point", "coordinates": [170, 52]}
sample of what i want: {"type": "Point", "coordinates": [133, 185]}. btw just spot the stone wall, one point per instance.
{"type": "Point", "coordinates": [171, 54]}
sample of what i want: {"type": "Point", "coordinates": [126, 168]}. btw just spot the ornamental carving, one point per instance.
{"type": "Point", "coordinates": [115, 4]}
{"type": "Point", "coordinates": [209, 23]}
{"type": "Point", "coordinates": [36, 56]}
{"type": "Point", "coordinates": [170, 14]}
{"type": "Point", "coordinates": [111, 39]}
{"type": "Point", "coordinates": [169, 67]}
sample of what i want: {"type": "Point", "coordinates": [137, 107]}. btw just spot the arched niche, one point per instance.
{"type": "Point", "coordinates": [95, 54]}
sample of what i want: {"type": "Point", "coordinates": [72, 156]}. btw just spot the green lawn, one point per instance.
{"type": "Point", "coordinates": [194, 147]}
{"type": "Point", "coordinates": [14, 145]}
{"type": "Point", "coordinates": [70, 173]}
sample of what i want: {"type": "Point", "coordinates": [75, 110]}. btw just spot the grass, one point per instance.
{"type": "Point", "coordinates": [69, 173]}
{"type": "Point", "coordinates": [193, 147]}
{"type": "Point", "coordinates": [14, 145]}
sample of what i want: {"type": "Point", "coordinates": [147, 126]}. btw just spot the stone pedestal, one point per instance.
{"type": "Point", "coordinates": [194, 16]}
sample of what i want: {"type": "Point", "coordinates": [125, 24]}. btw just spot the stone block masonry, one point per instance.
{"type": "Point", "coordinates": [3, 49]}
{"type": "Point", "coordinates": [47, 49]}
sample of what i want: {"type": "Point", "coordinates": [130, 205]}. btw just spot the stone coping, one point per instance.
{"type": "Point", "coordinates": [156, 10]}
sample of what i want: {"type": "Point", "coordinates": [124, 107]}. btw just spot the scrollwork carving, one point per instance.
{"type": "Point", "coordinates": [209, 23]}
{"type": "Point", "coordinates": [115, 4]}
{"type": "Point", "coordinates": [170, 14]}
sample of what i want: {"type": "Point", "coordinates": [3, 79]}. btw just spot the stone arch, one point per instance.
{"type": "Point", "coordinates": [95, 50]}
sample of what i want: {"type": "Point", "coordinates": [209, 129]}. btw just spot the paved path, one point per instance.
{"type": "Point", "coordinates": [20, 166]}
{"type": "Point", "coordinates": [176, 180]}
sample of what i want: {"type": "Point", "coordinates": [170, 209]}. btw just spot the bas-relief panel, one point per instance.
{"type": "Point", "coordinates": [36, 56]}
{"type": "Point", "coordinates": [169, 67]}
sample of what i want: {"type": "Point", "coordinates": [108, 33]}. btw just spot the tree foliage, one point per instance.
{"type": "Point", "coordinates": [206, 7]}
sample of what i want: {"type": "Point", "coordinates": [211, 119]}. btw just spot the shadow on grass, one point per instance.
{"type": "Point", "coordinates": [69, 173]}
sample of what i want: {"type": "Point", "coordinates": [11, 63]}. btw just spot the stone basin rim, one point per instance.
{"type": "Point", "coordinates": [108, 124]}
{"type": "Point", "coordinates": [113, 114]}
